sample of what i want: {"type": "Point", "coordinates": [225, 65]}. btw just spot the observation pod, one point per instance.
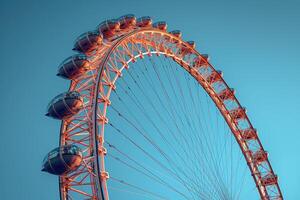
{"type": "Point", "coordinates": [187, 48]}
{"type": "Point", "coordinates": [65, 105]}
{"type": "Point", "coordinates": [109, 27]}
{"type": "Point", "coordinates": [192, 44]}
{"type": "Point", "coordinates": [127, 21]}
{"type": "Point", "coordinates": [201, 61]}
{"type": "Point", "coordinates": [238, 114]}
{"type": "Point", "coordinates": [227, 94]}
{"type": "Point", "coordinates": [269, 179]}
{"type": "Point", "coordinates": [206, 57]}
{"type": "Point", "coordinates": [214, 77]}
{"type": "Point", "coordinates": [249, 134]}
{"type": "Point", "coordinates": [73, 66]}
{"type": "Point", "coordinates": [88, 42]}
{"type": "Point", "coordinates": [160, 25]}
{"type": "Point", "coordinates": [62, 160]}
{"type": "Point", "coordinates": [260, 156]}
{"type": "Point", "coordinates": [176, 33]}
{"type": "Point", "coordinates": [145, 21]}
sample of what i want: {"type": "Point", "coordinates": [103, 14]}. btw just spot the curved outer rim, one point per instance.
{"type": "Point", "coordinates": [103, 193]}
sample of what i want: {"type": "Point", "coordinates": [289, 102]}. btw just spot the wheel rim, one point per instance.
{"type": "Point", "coordinates": [97, 85]}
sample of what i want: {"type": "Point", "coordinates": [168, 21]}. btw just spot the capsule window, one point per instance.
{"type": "Point", "coordinates": [73, 94]}
{"type": "Point", "coordinates": [74, 150]}
{"type": "Point", "coordinates": [74, 57]}
{"type": "Point", "coordinates": [55, 99]}
{"type": "Point", "coordinates": [53, 154]}
{"type": "Point", "coordinates": [86, 34]}
{"type": "Point", "coordinates": [65, 150]}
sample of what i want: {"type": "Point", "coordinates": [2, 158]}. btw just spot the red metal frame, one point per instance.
{"type": "Point", "coordinates": [87, 128]}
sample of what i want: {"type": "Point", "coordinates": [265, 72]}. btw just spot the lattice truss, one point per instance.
{"type": "Point", "coordinates": [109, 62]}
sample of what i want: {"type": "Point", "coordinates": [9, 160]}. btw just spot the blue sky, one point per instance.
{"type": "Point", "coordinates": [255, 43]}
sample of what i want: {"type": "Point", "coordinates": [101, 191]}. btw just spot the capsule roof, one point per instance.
{"type": "Point", "coordinates": [88, 33]}
{"type": "Point", "coordinates": [71, 94]}
{"type": "Point", "coordinates": [107, 23]}
{"type": "Point", "coordinates": [128, 16]}
{"type": "Point", "coordinates": [176, 33]}
{"type": "Point", "coordinates": [206, 56]}
{"type": "Point", "coordinates": [192, 43]}
{"type": "Point", "coordinates": [144, 18]}
{"type": "Point", "coordinates": [144, 21]}
{"type": "Point", "coordinates": [66, 149]}
{"type": "Point", "coordinates": [162, 25]}
{"type": "Point", "coordinates": [74, 57]}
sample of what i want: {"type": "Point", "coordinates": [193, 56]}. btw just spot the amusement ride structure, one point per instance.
{"type": "Point", "coordinates": [148, 117]}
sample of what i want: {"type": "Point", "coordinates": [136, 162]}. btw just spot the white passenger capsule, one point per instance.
{"type": "Point", "coordinates": [145, 21]}
{"type": "Point", "coordinates": [88, 42]}
{"type": "Point", "coordinates": [162, 25]}
{"type": "Point", "coordinates": [127, 21]}
{"type": "Point", "coordinates": [176, 33]}
{"type": "Point", "coordinates": [109, 27]}
{"type": "Point", "coordinates": [65, 105]}
{"type": "Point", "coordinates": [62, 160]}
{"type": "Point", "coordinates": [73, 67]}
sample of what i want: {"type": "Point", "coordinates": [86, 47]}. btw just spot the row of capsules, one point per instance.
{"type": "Point", "coordinates": [67, 158]}
{"type": "Point", "coordinates": [258, 156]}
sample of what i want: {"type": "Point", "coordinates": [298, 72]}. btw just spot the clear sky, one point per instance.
{"type": "Point", "coordinates": [255, 43]}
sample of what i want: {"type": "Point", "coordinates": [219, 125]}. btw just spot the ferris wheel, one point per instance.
{"type": "Point", "coordinates": [148, 117]}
